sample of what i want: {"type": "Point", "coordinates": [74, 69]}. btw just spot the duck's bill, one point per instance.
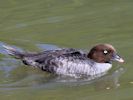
{"type": "Point", "coordinates": [118, 58]}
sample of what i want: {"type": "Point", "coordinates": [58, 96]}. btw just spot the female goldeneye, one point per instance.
{"type": "Point", "coordinates": [71, 62]}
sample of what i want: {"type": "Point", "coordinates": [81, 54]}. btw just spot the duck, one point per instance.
{"type": "Point", "coordinates": [69, 61]}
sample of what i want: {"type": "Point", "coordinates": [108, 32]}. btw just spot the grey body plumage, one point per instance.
{"type": "Point", "coordinates": [51, 60]}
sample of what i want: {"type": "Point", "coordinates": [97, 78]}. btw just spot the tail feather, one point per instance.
{"type": "Point", "coordinates": [13, 52]}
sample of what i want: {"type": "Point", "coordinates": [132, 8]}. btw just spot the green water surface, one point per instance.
{"type": "Point", "coordinates": [34, 24]}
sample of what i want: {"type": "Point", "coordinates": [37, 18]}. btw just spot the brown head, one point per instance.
{"type": "Point", "coordinates": [104, 53]}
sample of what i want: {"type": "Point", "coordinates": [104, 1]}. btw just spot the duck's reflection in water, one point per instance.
{"type": "Point", "coordinates": [109, 81]}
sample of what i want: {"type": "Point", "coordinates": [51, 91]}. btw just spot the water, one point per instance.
{"type": "Point", "coordinates": [35, 25]}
